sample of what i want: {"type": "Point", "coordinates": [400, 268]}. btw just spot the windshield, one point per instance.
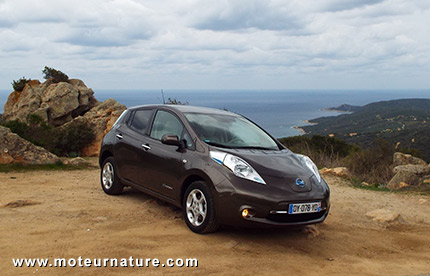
{"type": "Point", "coordinates": [230, 131]}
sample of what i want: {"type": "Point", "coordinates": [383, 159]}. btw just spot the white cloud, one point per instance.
{"type": "Point", "coordinates": [219, 44]}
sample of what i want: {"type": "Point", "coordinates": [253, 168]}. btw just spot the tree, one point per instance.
{"type": "Point", "coordinates": [18, 85]}
{"type": "Point", "coordinates": [56, 75]}
{"type": "Point", "coordinates": [175, 101]}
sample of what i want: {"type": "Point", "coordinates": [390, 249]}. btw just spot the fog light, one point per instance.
{"type": "Point", "coordinates": [245, 213]}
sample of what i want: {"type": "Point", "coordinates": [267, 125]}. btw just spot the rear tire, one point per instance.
{"type": "Point", "coordinates": [109, 178]}
{"type": "Point", "coordinates": [199, 209]}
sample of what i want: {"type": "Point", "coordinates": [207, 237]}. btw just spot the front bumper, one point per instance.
{"type": "Point", "coordinates": [268, 205]}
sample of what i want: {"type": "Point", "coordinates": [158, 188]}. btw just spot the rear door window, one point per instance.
{"type": "Point", "coordinates": [141, 120]}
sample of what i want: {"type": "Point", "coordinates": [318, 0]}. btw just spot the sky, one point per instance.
{"type": "Point", "coordinates": [238, 44]}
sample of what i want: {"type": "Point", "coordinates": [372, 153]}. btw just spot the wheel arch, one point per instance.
{"type": "Point", "coordinates": [105, 154]}
{"type": "Point", "coordinates": [193, 177]}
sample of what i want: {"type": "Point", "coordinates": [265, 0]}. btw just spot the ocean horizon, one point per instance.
{"type": "Point", "coordinates": [277, 111]}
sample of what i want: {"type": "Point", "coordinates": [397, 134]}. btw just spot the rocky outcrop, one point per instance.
{"type": "Point", "coordinates": [407, 159]}
{"type": "Point", "coordinates": [14, 149]}
{"type": "Point", "coordinates": [408, 171]}
{"type": "Point", "coordinates": [101, 119]}
{"type": "Point", "coordinates": [63, 103]}
{"type": "Point", "coordinates": [56, 103]}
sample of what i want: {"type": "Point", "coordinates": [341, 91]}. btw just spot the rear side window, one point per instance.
{"type": "Point", "coordinates": [123, 115]}
{"type": "Point", "coordinates": [141, 120]}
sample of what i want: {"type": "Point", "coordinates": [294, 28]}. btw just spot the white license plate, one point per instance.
{"type": "Point", "coordinates": [301, 208]}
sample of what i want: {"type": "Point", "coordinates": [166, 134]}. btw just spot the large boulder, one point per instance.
{"type": "Point", "coordinates": [101, 119]}
{"type": "Point", "coordinates": [407, 159]}
{"type": "Point", "coordinates": [408, 174]}
{"type": "Point", "coordinates": [56, 103]}
{"type": "Point", "coordinates": [401, 178]}
{"type": "Point", "coordinates": [14, 149]}
{"type": "Point", "coordinates": [20, 104]}
{"type": "Point", "coordinates": [419, 170]}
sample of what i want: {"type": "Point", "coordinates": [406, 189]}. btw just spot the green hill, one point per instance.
{"type": "Point", "coordinates": [405, 123]}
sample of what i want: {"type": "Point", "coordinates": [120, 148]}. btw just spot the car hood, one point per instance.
{"type": "Point", "coordinates": [277, 167]}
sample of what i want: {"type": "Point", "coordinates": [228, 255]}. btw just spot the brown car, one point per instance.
{"type": "Point", "coordinates": [218, 166]}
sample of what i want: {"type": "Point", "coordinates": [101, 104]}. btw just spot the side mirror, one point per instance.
{"type": "Point", "coordinates": [170, 139]}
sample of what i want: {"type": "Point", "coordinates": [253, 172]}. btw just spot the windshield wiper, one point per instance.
{"type": "Point", "coordinates": [240, 147]}
{"type": "Point", "coordinates": [254, 147]}
{"type": "Point", "coordinates": [218, 145]}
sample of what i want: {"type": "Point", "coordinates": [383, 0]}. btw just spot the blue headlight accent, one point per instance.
{"type": "Point", "coordinates": [217, 160]}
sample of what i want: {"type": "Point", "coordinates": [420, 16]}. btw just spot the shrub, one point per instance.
{"type": "Point", "coordinates": [67, 140]}
{"type": "Point", "coordinates": [175, 101]}
{"type": "Point", "coordinates": [34, 119]}
{"type": "Point", "coordinates": [55, 75]}
{"type": "Point", "coordinates": [71, 138]}
{"type": "Point", "coordinates": [374, 164]}
{"type": "Point", "coordinates": [324, 151]}
{"type": "Point", "coordinates": [18, 85]}
{"type": "Point", "coordinates": [17, 127]}
{"type": "Point", "coordinates": [37, 131]}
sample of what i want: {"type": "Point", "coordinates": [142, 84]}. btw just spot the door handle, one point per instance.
{"type": "Point", "coordinates": [146, 147]}
{"type": "Point", "coordinates": [119, 136]}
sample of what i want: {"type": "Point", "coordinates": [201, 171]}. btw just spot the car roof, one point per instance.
{"type": "Point", "coordinates": [188, 109]}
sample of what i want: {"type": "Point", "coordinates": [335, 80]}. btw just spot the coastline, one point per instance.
{"type": "Point", "coordinates": [301, 130]}
{"type": "Point", "coordinates": [310, 123]}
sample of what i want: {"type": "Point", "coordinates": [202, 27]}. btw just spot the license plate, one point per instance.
{"type": "Point", "coordinates": [301, 208]}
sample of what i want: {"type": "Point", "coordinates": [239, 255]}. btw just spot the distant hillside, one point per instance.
{"type": "Point", "coordinates": [343, 108]}
{"type": "Point", "coordinates": [406, 122]}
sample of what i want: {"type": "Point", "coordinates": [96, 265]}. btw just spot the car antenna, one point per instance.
{"type": "Point", "coordinates": [162, 95]}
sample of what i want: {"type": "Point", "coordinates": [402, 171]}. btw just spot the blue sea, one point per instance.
{"type": "Point", "coordinates": [276, 111]}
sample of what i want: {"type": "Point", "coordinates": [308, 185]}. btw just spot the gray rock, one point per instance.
{"type": "Point", "coordinates": [408, 174]}
{"type": "Point", "coordinates": [407, 159]}
{"type": "Point", "coordinates": [14, 149]}
{"type": "Point", "coordinates": [401, 177]}
{"type": "Point", "coordinates": [419, 170]}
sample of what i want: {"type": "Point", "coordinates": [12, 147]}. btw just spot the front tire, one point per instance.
{"type": "Point", "coordinates": [199, 209]}
{"type": "Point", "coordinates": [109, 178]}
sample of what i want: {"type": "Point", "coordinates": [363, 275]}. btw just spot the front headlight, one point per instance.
{"type": "Point", "coordinates": [237, 165]}
{"type": "Point", "coordinates": [306, 161]}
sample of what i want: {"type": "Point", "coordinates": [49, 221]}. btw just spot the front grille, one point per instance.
{"type": "Point", "coordinates": [285, 218]}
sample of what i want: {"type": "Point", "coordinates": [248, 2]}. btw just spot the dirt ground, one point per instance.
{"type": "Point", "coordinates": [67, 215]}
